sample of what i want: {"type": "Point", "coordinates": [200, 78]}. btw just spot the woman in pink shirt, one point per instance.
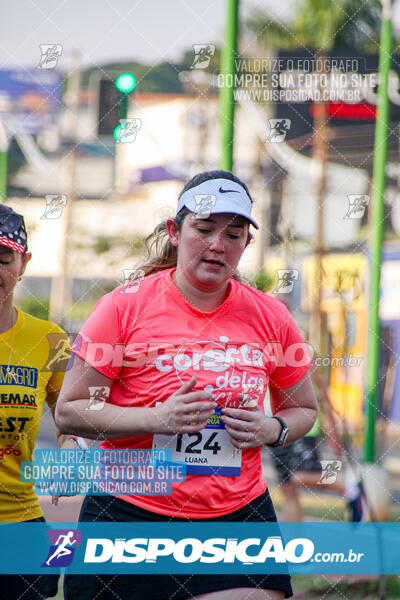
{"type": "Point", "coordinates": [186, 353]}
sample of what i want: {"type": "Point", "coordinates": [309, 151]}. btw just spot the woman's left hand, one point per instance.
{"type": "Point", "coordinates": [250, 428]}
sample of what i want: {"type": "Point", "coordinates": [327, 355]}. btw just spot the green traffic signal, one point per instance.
{"type": "Point", "coordinates": [125, 83]}
{"type": "Point", "coordinates": [116, 133]}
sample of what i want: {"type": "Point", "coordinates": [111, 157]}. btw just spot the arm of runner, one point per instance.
{"type": "Point", "coordinates": [297, 405]}
{"type": "Point", "coordinates": [58, 366]}
{"type": "Point", "coordinates": [183, 412]}
{"type": "Point", "coordinates": [66, 442]}
{"type": "Point", "coordinates": [328, 418]}
{"type": "Point", "coordinates": [249, 428]}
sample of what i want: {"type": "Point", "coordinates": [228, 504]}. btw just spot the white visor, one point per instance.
{"type": "Point", "coordinates": [216, 196]}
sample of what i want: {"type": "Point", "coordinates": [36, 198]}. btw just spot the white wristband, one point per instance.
{"type": "Point", "coordinates": [81, 442]}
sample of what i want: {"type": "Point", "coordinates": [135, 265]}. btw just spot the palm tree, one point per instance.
{"type": "Point", "coordinates": [322, 25]}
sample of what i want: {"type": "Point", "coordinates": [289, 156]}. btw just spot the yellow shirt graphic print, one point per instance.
{"type": "Point", "coordinates": [29, 354]}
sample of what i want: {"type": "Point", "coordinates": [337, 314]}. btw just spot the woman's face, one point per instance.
{"type": "Point", "coordinates": [209, 249]}
{"type": "Point", "coordinates": [12, 266]}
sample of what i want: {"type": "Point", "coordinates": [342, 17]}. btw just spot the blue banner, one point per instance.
{"type": "Point", "coordinates": [31, 99]}
{"type": "Point", "coordinates": [207, 547]}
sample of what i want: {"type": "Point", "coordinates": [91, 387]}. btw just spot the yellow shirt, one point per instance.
{"type": "Point", "coordinates": [33, 358]}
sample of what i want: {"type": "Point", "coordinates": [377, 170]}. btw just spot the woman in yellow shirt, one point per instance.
{"type": "Point", "coordinates": [33, 358]}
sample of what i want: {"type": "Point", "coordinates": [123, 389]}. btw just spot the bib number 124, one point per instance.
{"type": "Point", "coordinates": [206, 452]}
{"type": "Point", "coordinates": [202, 441]}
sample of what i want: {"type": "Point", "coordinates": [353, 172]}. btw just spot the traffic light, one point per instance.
{"type": "Point", "coordinates": [113, 102]}
{"type": "Point", "coordinates": [125, 83]}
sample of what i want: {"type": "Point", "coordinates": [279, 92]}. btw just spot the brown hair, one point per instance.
{"type": "Point", "coordinates": [161, 254]}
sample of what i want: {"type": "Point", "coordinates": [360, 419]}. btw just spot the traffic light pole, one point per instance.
{"type": "Point", "coordinates": [125, 84]}
{"type": "Point", "coordinates": [123, 106]}
{"type": "Point", "coordinates": [112, 101]}
{"type": "Point", "coordinates": [376, 226]}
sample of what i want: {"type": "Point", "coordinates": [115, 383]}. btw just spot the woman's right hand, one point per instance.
{"type": "Point", "coordinates": [184, 411]}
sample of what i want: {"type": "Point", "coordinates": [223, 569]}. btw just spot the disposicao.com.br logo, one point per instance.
{"type": "Point", "coordinates": [207, 547]}
{"type": "Point", "coordinates": [191, 550]}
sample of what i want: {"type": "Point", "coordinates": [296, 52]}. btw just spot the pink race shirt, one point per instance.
{"type": "Point", "coordinates": [149, 340]}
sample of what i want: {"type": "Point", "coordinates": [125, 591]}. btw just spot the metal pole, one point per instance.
{"type": "Point", "coordinates": [61, 285]}
{"type": "Point", "coordinates": [320, 153]}
{"type": "Point", "coordinates": [376, 226]}
{"type": "Point", "coordinates": [227, 98]}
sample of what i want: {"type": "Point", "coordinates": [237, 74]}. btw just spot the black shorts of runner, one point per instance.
{"type": "Point", "coordinates": [166, 587]}
{"type": "Point", "coordinates": [28, 587]}
{"type": "Point", "coordinates": [302, 455]}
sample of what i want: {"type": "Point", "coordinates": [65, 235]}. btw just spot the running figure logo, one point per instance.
{"type": "Point", "coordinates": [50, 54]}
{"type": "Point", "coordinates": [98, 396]}
{"type": "Point", "coordinates": [286, 280]}
{"type": "Point", "coordinates": [61, 551]}
{"type": "Point", "coordinates": [128, 129]}
{"type": "Point", "coordinates": [357, 206]}
{"type": "Point", "coordinates": [278, 129]}
{"type": "Point", "coordinates": [202, 55]}
{"type": "Point", "coordinates": [203, 205]}
{"type": "Point", "coordinates": [54, 206]}
{"type": "Point", "coordinates": [132, 280]}
{"type": "Point", "coordinates": [250, 395]}
{"type": "Point", "coordinates": [330, 470]}
{"type": "Point", "coordinates": [59, 353]}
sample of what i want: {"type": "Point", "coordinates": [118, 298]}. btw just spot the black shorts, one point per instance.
{"type": "Point", "coordinates": [302, 455]}
{"type": "Point", "coordinates": [28, 587]}
{"type": "Point", "coordinates": [166, 587]}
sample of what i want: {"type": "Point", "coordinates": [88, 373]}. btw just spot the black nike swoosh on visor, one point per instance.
{"type": "Point", "coordinates": [226, 191]}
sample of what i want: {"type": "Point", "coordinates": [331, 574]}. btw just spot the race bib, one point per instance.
{"type": "Point", "coordinates": [206, 452]}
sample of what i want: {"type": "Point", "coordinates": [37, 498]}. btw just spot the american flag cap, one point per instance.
{"type": "Point", "coordinates": [12, 230]}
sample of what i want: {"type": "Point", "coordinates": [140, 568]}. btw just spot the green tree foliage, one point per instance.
{"type": "Point", "coordinates": [162, 77]}
{"type": "Point", "coordinates": [263, 281]}
{"type": "Point", "coordinates": [339, 24]}
{"type": "Point", "coordinates": [15, 157]}
{"type": "Point", "coordinates": [37, 307]}
{"type": "Point", "coordinates": [322, 25]}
